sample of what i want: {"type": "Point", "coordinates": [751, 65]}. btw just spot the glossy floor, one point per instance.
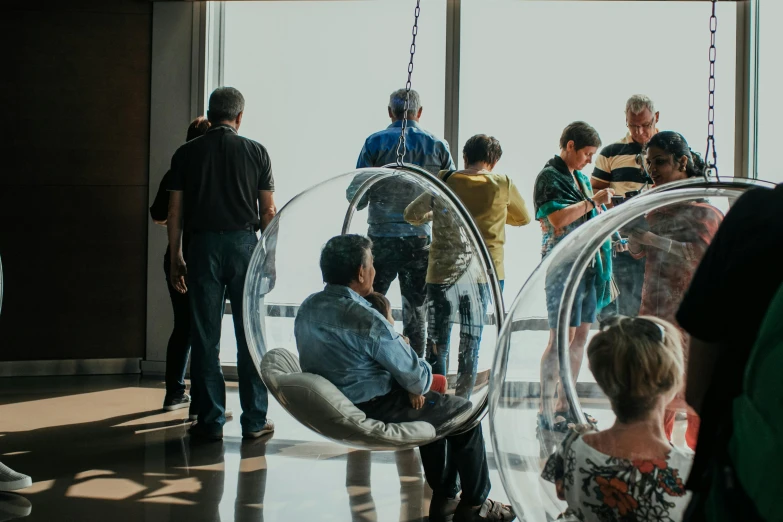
{"type": "Point", "coordinates": [100, 448]}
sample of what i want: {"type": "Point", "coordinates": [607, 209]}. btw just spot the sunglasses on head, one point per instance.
{"type": "Point", "coordinates": [653, 330]}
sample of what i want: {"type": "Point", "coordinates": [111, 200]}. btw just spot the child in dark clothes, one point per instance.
{"type": "Point", "coordinates": [382, 305]}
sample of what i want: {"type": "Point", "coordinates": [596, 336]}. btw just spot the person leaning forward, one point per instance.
{"type": "Point", "coordinates": [340, 337]}
{"type": "Point", "coordinates": [222, 192]}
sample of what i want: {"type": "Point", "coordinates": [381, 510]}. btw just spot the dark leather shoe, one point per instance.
{"type": "Point", "coordinates": [197, 431]}
{"type": "Point", "coordinates": [442, 508]}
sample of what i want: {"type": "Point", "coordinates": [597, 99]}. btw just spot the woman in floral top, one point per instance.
{"type": "Point", "coordinates": [629, 472]}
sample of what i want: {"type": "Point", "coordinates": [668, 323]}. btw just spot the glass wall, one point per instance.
{"type": "Point", "coordinates": [317, 77]}
{"type": "Point", "coordinates": [528, 69]}
{"type": "Point", "coordinates": [770, 114]}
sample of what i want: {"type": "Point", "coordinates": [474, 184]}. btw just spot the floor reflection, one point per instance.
{"type": "Point", "coordinates": [14, 506]}
{"type": "Point", "coordinates": [359, 487]}
{"type": "Point", "coordinates": [101, 449]}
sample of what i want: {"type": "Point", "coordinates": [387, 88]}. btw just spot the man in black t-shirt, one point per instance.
{"type": "Point", "coordinates": [224, 183]}
{"type": "Point", "coordinates": [723, 311]}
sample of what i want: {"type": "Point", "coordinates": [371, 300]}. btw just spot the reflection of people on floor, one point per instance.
{"type": "Point", "coordinates": [359, 487]}
{"type": "Point", "coordinates": [341, 338]}
{"type": "Point", "coordinates": [564, 200]}
{"type": "Point", "coordinates": [494, 201]}
{"type": "Point", "coordinates": [178, 348]}
{"type": "Point", "coordinates": [251, 481]}
{"type": "Point", "coordinates": [619, 166]}
{"type": "Point", "coordinates": [629, 471]}
{"type": "Point", "coordinates": [673, 242]}
{"type": "Point", "coordinates": [400, 249]}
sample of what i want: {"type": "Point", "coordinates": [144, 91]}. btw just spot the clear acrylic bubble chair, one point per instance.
{"type": "Point", "coordinates": [285, 270]}
{"type": "Point", "coordinates": [530, 394]}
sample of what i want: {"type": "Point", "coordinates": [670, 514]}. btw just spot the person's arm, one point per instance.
{"type": "Point", "coordinates": [705, 229]}
{"type": "Point", "coordinates": [399, 359]}
{"type": "Point", "coordinates": [565, 216]}
{"type": "Point", "coordinates": [353, 188]}
{"type": "Point", "coordinates": [599, 184]}
{"type": "Point", "coordinates": [602, 173]}
{"type": "Point", "coordinates": [701, 366]}
{"type": "Point", "coordinates": [648, 239]}
{"type": "Point", "coordinates": [160, 207]}
{"type": "Point", "coordinates": [366, 159]}
{"type": "Point", "coordinates": [419, 211]}
{"type": "Point", "coordinates": [178, 268]}
{"type": "Point", "coordinates": [518, 214]}
{"type": "Point", "coordinates": [266, 207]}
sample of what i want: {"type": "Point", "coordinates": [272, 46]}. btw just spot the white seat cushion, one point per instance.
{"type": "Point", "coordinates": [319, 405]}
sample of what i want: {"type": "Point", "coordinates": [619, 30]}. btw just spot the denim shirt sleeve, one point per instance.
{"type": "Point", "coordinates": [399, 359]}
{"type": "Point", "coordinates": [356, 183]}
{"type": "Point", "coordinates": [365, 158]}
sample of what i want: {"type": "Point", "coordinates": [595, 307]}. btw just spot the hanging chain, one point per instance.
{"type": "Point", "coordinates": [401, 144]}
{"type": "Point", "coordinates": [712, 162]}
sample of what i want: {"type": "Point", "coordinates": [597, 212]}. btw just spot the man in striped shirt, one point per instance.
{"type": "Point", "coordinates": [620, 166]}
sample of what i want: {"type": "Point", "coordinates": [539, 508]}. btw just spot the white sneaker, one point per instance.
{"type": "Point", "coordinates": [11, 480]}
{"type": "Point", "coordinates": [269, 427]}
{"type": "Point", "coordinates": [229, 414]}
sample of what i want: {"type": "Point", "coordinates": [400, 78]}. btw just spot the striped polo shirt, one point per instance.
{"type": "Point", "coordinates": [617, 165]}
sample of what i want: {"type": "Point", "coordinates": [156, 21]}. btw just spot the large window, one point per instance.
{"type": "Point", "coordinates": [317, 77]}
{"type": "Point", "coordinates": [770, 114]}
{"type": "Point", "coordinates": [530, 68]}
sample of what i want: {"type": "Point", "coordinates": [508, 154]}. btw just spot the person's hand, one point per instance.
{"type": "Point", "coordinates": [603, 197]}
{"type": "Point", "coordinates": [179, 270]}
{"type": "Point", "coordinates": [620, 246]}
{"type": "Point", "coordinates": [417, 401]}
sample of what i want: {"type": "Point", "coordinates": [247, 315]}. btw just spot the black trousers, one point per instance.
{"type": "Point", "coordinates": [447, 462]}
{"type": "Point", "coordinates": [406, 257]}
{"type": "Point", "coordinates": [178, 348]}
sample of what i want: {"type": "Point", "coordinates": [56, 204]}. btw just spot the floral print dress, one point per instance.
{"type": "Point", "coordinates": [602, 488]}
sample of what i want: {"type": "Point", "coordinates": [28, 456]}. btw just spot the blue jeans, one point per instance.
{"type": "Point", "coordinates": [217, 263]}
{"type": "Point", "coordinates": [472, 303]}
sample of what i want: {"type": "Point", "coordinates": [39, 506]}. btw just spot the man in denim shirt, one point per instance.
{"type": "Point", "coordinates": [399, 247]}
{"type": "Point", "coordinates": [343, 339]}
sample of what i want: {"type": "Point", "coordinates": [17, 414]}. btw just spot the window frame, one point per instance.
{"type": "Point", "coordinates": [209, 53]}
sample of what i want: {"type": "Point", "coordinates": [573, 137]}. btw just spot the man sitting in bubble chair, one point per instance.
{"type": "Point", "coordinates": [340, 337]}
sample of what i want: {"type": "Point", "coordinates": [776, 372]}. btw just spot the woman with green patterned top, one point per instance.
{"type": "Point", "coordinates": [564, 200]}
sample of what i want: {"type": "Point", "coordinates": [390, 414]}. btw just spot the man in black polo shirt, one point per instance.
{"type": "Point", "coordinates": [619, 167]}
{"type": "Point", "coordinates": [222, 185]}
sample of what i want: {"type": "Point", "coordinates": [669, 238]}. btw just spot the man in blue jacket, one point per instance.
{"type": "Point", "coordinates": [343, 339]}
{"type": "Point", "coordinates": [401, 249]}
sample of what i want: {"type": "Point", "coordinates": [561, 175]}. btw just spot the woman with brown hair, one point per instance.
{"type": "Point", "coordinates": [178, 348]}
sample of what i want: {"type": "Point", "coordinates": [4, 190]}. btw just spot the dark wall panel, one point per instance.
{"type": "Point", "coordinates": [73, 286]}
{"type": "Point", "coordinates": [73, 186]}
